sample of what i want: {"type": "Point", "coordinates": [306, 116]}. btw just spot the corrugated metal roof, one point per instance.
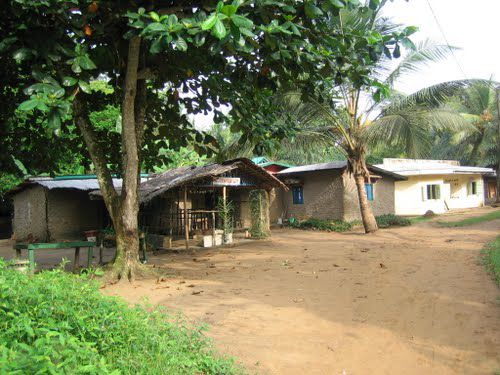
{"type": "Point", "coordinates": [415, 167]}
{"type": "Point", "coordinates": [315, 167]}
{"type": "Point", "coordinates": [338, 165]}
{"type": "Point", "coordinates": [85, 184]}
{"type": "Point", "coordinates": [260, 159]}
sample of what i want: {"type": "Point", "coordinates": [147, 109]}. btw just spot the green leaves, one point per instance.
{"type": "Point", "coordinates": [85, 87]}
{"type": "Point", "coordinates": [242, 22]}
{"type": "Point", "coordinates": [337, 3]}
{"type": "Point", "coordinates": [22, 54]}
{"type": "Point", "coordinates": [209, 22]}
{"type": "Point", "coordinates": [54, 119]}
{"type": "Point", "coordinates": [219, 30]}
{"type": "Point", "coordinates": [311, 10]}
{"type": "Point", "coordinates": [181, 44]}
{"type": "Point", "coordinates": [28, 105]}
{"type": "Point", "coordinates": [69, 81]}
{"type": "Point", "coordinates": [85, 62]}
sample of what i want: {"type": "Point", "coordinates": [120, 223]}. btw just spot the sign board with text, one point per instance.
{"type": "Point", "coordinates": [227, 181]}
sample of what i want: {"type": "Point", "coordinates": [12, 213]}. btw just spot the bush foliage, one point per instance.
{"type": "Point", "coordinates": [55, 322]}
{"type": "Point", "coordinates": [491, 258]}
{"type": "Point", "coordinates": [389, 220]}
{"type": "Point", "coordinates": [326, 225]}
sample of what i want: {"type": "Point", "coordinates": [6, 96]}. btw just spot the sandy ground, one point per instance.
{"type": "Point", "coordinates": [410, 300]}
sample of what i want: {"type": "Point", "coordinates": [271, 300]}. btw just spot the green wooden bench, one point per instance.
{"type": "Point", "coordinates": [32, 247]}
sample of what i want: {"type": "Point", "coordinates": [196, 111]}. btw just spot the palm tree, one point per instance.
{"type": "Point", "coordinates": [229, 144]}
{"type": "Point", "coordinates": [477, 140]}
{"type": "Point", "coordinates": [353, 119]}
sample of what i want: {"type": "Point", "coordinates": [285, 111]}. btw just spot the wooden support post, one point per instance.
{"type": "Point", "coordinates": [76, 263]}
{"type": "Point", "coordinates": [31, 257]}
{"type": "Point", "coordinates": [186, 219]}
{"type": "Point", "coordinates": [101, 250]}
{"type": "Point", "coordinates": [90, 255]}
{"type": "Point", "coordinates": [213, 228]}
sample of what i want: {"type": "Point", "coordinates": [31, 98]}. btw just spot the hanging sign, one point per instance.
{"type": "Point", "coordinates": [227, 181]}
{"type": "Point", "coordinates": [292, 181]}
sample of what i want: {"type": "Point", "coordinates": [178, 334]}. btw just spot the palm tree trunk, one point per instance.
{"type": "Point", "coordinates": [359, 169]}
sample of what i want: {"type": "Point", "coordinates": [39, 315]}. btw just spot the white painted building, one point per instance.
{"type": "Point", "coordinates": [436, 185]}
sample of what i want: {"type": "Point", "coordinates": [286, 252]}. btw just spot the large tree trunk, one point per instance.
{"type": "Point", "coordinates": [127, 226]}
{"type": "Point", "coordinates": [124, 208]}
{"type": "Point", "coordinates": [361, 173]}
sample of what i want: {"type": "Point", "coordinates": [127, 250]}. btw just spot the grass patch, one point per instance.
{"type": "Point", "coordinates": [491, 258]}
{"type": "Point", "coordinates": [324, 225]}
{"type": "Point", "coordinates": [420, 219]}
{"type": "Point", "coordinates": [59, 323]}
{"type": "Point", "coordinates": [383, 221]}
{"type": "Point", "coordinates": [495, 215]}
{"type": "Point", "coordinates": [390, 220]}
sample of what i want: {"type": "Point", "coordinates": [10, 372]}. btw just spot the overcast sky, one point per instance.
{"type": "Point", "coordinates": [473, 26]}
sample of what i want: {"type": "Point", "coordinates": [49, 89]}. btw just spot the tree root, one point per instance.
{"type": "Point", "coordinates": [119, 272]}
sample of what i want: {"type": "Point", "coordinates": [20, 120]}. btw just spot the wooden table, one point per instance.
{"type": "Point", "coordinates": [31, 247]}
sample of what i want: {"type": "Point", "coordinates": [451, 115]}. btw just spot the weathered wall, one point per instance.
{"type": "Point", "coordinates": [240, 197]}
{"type": "Point", "coordinates": [490, 190]}
{"type": "Point", "coordinates": [323, 192]}
{"type": "Point", "coordinates": [30, 221]}
{"type": "Point", "coordinates": [410, 199]}
{"type": "Point", "coordinates": [383, 202]}
{"type": "Point", "coordinates": [71, 212]}
{"type": "Point", "coordinates": [276, 209]}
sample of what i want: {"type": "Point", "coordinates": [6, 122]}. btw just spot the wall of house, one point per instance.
{"type": "Point", "coordinates": [276, 205]}
{"type": "Point", "coordinates": [323, 191]}
{"type": "Point", "coordinates": [71, 212]}
{"type": "Point", "coordinates": [410, 194]}
{"type": "Point", "coordinates": [30, 220]}
{"type": "Point", "coordinates": [240, 198]}
{"type": "Point", "coordinates": [383, 193]}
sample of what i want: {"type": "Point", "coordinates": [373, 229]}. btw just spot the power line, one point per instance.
{"type": "Point", "coordinates": [452, 51]}
{"type": "Point", "coordinates": [446, 39]}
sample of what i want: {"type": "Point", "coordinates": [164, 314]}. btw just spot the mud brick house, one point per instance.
{"type": "Point", "coordinates": [47, 209]}
{"type": "Point", "coordinates": [328, 191]}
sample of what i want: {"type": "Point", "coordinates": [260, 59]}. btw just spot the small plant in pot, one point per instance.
{"type": "Point", "coordinates": [226, 210]}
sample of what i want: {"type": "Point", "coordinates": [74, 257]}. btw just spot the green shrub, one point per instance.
{"type": "Point", "coordinates": [491, 258]}
{"type": "Point", "coordinates": [54, 323]}
{"type": "Point", "coordinates": [389, 220]}
{"type": "Point", "coordinates": [326, 225]}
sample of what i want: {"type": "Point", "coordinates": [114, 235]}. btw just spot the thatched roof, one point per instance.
{"type": "Point", "coordinates": [178, 177]}
{"type": "Point", "coordinates": [188, 175]}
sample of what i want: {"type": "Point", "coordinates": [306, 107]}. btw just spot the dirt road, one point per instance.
{"type": "Point", "coordinates": [409, 300]}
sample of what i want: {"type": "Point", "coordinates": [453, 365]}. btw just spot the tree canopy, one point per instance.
{"type": "Point", "coordinates": [160, 61]}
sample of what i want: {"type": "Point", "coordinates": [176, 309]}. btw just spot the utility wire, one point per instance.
{"type": "Point", "coordinates": [441, 30]}
{"type": "Point", "coordinates": [434, 15]}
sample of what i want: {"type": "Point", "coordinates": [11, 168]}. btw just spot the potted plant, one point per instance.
{"type": "Point", "coordinates": [226, 209]}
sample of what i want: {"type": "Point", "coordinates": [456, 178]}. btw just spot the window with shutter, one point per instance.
{"type": "Point", "coordinates": [298, 195]}
{"type": "Point", "coordinates": [433, 191]}
{"type": "Point", "coordinates": [369, 192]}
